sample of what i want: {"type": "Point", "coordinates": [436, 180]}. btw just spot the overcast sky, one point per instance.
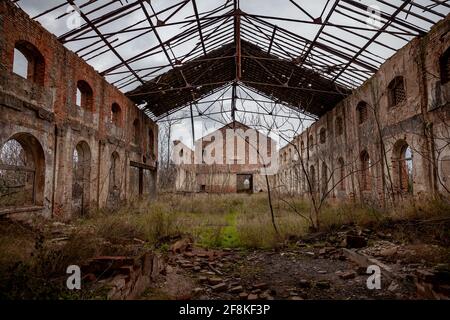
{"type": "Point", "coordinates": [289, 122]}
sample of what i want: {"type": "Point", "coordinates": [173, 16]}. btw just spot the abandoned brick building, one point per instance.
{"type": "Point", "coordinates": [389, 138]}
{"type": "Point", "coordinates": [238, 169]}
{"type": "Point", "coordinates": [69, 141]}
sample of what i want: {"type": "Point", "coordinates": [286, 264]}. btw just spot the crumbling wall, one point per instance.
{"type": "Point", "coordinates": [417, 123]}
{"type": "Point", "coordinates": [45, 106]}
{"type": "Point", "coordinates": [242, 157]}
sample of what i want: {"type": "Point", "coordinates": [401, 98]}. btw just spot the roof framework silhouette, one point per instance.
{"type": "Point", "coordinates": [228, 47]}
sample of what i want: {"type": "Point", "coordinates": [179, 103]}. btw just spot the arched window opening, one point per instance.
{"type": "Point", "coordinates": [20, 65]}
{"type": "Point", "coordinates": [341, 170]}
{"type": "Point", "coordinates": [444, 65]}
{"type": "Point", "coordinates": [339, 126]}
{"type": "Point", "coordinates": [22, 169]}
{"type": "Point", "coordinates": [116, 115]}
{"type": "Point", "coordinates": [84, 95]}
{"type": "Point", "coordinates": [323, 135]}
{"type": "Point", "coordinates": [397, 93]}
{"type": "Point", "coordinates": [269, 147]}
{"type": "Point", "coordinates": [362, 111]}
{"type": "Point", "coordinates": [81, 173]}
{"type": "Point", "coordinates": [365, 171]}
{"type": "Point", "coordinates": [247, 150]}
{"type": "Point", "coordinates": [136, 129]}
{"type": "Point", "coordinates": [29, 62]}
{"type": "Point", "coordinates": [203, 155]}
{"type": "Point", "coordinates": [403, 166]}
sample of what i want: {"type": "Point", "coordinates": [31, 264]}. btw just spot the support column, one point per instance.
{"type": "Point", "coordinates": [192, 126]}
{"type": "Point", "coordinates": [233, 102]}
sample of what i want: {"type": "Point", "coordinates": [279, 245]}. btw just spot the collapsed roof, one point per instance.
{"type": "Point", "coordinates": [280, 79]}
{"type": "Point", "coordinates": [309, 58]}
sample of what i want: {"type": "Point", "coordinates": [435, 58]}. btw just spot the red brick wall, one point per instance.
{"type": "Point", "coordinates": [48, 111]}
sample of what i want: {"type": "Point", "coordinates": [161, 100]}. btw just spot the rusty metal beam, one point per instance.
{"type": "Point", "coordinates": [272, 37]}
{"type": "Point", "coordinates": [233, 101]}
{"type": "Point", "coordinates": [340, 26]}
{"type": "Point", "coordinates": [192, 124]}
{"type": "Point", "coordinates": [199, 27]}
{"type": "Point", "coordinates": [313, 43]}
{"type": "Point", "coordinates": [161, 44]}
{"type": "Point", "coordinates": [379, 32]}
{"type": "Point", "coordinates": [102, 18]}
{"type": "Point", "coordinates": [237, 39]}
{"type": "Point", "coordinates": [302, 10]}
{"type": "Point", "coordinates": [94, 28]}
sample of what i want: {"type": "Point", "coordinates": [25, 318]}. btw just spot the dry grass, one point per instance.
{"type": "Point", "coordinates": [29, 262]}
{"type": "Point", "coordinates": [16, 242]}
{"type": "Point", "coordinates": [213, 220]}
{"type": "Point", "coordinates": [31, 267]}
{"type": "Point", "coordinates": [238, 220]}
{"type": "Point", "coordinates": [354, 213]}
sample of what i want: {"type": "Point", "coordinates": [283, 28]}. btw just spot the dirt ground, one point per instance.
{"type": "Point", "coordinates": [297, 273]}
{"type": "Point", "coordinates": [317, 266]}
{"type": "Point", "coordinates": [415, 254]}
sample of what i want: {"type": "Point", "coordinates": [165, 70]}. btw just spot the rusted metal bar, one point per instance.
{"type": "Point", "coordinates": [50, 10]}
{"type": "Point", "coordinates": [108, 15]}
{"type": "Point", "coordinates": [182, 5]}
{"type": "Point", "coordinates": [265, 36]}
{"type": "Point", "coordinates": [399, 9]}
{"type": "Point", "coordinates": [294, 88]}
{"type": "Point", "coordinates": [387, 16]}
{"type": "Point", "coordinates": [178, 108]}
{"type": "Point", "coordinates": [176, 89]}
{"type": "Point", "coordinates": [237, 39]}
{"type": "Point", "coordinates": [71, 2]}
{"type": "Point", "coordinates": [156, 34]}
{"type": "Point", "coordinates": [233, 102]}
{"type": "Point", "coordinates": [313, 43]}
{"type": "Point", "coordinates": [272, 38]}
{"type": "Point", "coordinates": [354, 18]}
{"type": "Point", "coordinates": [192, 124]}
{"type": "Point", "coordinates": [213, 34]}
{"type": "Point", "coordinates": [303, 10]}
{"type": "Point", "coordinates": [143, 54]}
{"type": "Point", "coordinates": [322, 46]}
{"type": "Point", "coordinates": [85, 5]}
{"type": "Point", "coordinates": [425, 9]}
{"type": "Point", "coordinates": [340, 26]}
{"type": "Point", "coordinates": [199, 27]}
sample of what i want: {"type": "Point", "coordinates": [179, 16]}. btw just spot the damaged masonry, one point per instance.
{"type": "Point", "coordinates": [320, 127]}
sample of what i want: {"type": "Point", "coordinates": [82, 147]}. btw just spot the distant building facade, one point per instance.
{"type": "Point", "coordinates": [232, 159]}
